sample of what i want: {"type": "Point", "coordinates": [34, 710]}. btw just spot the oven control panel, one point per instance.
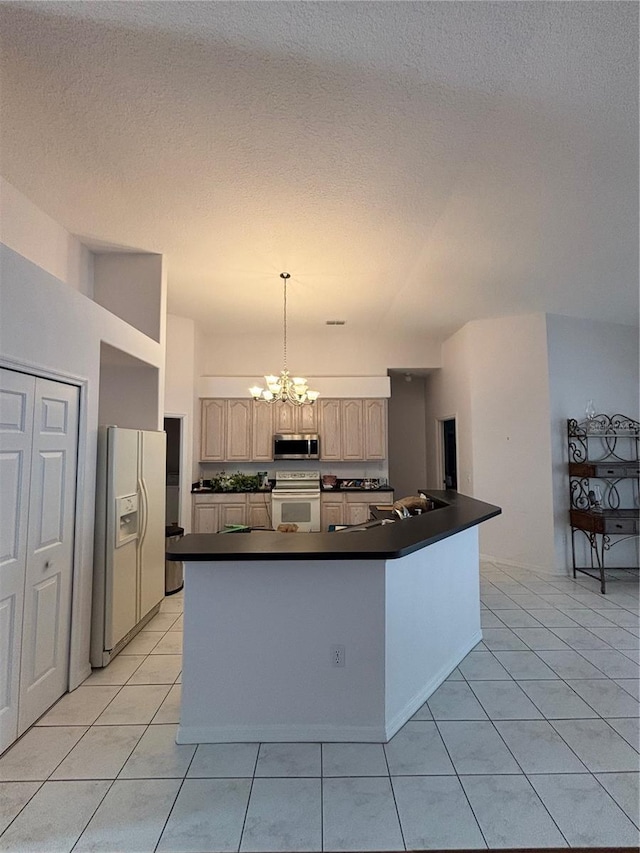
{"type": "Point", "coordinates": [312, 476]}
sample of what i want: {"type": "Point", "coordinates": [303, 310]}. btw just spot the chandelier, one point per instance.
{"type": "Point", "coordinates": [286, 388]}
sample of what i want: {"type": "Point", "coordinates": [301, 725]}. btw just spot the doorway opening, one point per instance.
{"type": "Point", "coordinates": [173, 429]}
{"type": "Point", "coordinates": [449, 456]}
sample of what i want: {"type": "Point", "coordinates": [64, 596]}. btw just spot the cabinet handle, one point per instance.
{"type": "Point", "coordinates": [48, 564]}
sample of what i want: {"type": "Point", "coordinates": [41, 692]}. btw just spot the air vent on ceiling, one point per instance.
{"type": "Point", "coordinates": [335, 322]}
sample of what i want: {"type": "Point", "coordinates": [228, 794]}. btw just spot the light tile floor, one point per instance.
{"type": "Point", "coordinates": [532, 741]}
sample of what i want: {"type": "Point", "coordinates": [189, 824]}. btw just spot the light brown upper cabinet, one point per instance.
{"type": "Point", "coordinates": [352, 430]}
{"type": "Point", "coordinates": [213, 429]}
{"type": "Point", "coordinates": [330, 435]}
{"type": "Point", "coordinates": [262, 442]}
{"type": "Point", "coordinates": [239, 430]}
{"type": "Point", "coordinates": [375, 429]}
{"type": "Point", "coordinates": [226, 430]}
{"type": "Point", "coordinates": [239, 423]}
{"type": "Point", "coordinates": [297, 420]}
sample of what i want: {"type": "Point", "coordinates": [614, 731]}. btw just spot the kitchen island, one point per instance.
{"type": "Point", "coordinates": [326, 636]}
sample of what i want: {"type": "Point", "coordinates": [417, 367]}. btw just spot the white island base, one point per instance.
{"type": "Point", "coordinates": [259, 638]}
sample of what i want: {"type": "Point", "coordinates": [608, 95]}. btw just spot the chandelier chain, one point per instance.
{"type": "Point", "coordinates": [284, 388]}
{"type": "Point", "coordinates": [285, 324]}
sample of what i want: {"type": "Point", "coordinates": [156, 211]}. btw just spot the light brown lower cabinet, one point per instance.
{"type": "Point", "coordinates": [206, 516]}
{"type": "Point", "coordinates": [212, 512]}
{"type": "Point", "coordinates": [349, 507]}
{"type": "Point", "coordinates": [259, 510]}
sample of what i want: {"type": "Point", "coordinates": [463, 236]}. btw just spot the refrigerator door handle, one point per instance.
{"type": "Point", "coordinates": [145, 511]}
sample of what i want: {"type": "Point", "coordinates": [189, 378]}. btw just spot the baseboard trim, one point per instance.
{"type": "Point", "coordinates": [280, 734]}
{"type": "Point", "coordinates": [417, 701]}
{"type": "Point", "coordinates": [514, 564]}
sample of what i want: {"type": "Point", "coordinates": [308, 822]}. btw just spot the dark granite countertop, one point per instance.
{"type": "Point", "coordinates": [357, 489]}
{"type": "Point", "coordinates": [208, 491]}
{"type": "Point", "coordinates": [385, 541]}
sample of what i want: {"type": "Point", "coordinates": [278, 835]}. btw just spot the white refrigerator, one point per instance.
{"type": "Point", "coordinates": [128, 581]}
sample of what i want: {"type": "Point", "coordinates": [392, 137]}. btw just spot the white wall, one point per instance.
{"type": "Point", "coordinates": [180, 400]}
{"type": "Point", "coordinates": [494, 382]}
{"type": "Point", "coordinates": [448, 395]}
{"type": "Point", "coordinates": [128, 396]}
{"type": "Point", "coordinates": [511, 383]}
{"type": "Point", "coordinates": [280, 619]}
{"type": "Point", "coordinates": [51, 328]}
{"type": "Point", "coordinates": [29, 231]}
{"type": "Point", "coordinates": [333, 351]}
{"type": "Point", "coordinates": [587, 360]}
{"type": "Point", "coordinates": [327, 386]}
{"type": "Point", "coordinates": [511, 438]}
{"type": "Point", "coordinates": [432, 620]}
{"type": "Point", "coordinates": [143, 305]}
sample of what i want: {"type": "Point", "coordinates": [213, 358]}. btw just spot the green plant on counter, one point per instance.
{"type": "Point", "coordinates": [235, 482]}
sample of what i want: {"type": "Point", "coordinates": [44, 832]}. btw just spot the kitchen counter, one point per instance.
{"type": "Point", "coordinates": [207, 491]}
{"type": "Point", "coordinates": [385, 542]}
{"type": "Point", "coordinates": [315, 637]}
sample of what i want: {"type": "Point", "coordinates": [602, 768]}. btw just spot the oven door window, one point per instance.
{"type": "Point", "coordinates": [298, 512]}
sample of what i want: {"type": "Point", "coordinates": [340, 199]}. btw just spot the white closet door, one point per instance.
{"type": "Point", "coordinates": [49, 565]}
{"type": "Point", "coordinates": [16, 429]}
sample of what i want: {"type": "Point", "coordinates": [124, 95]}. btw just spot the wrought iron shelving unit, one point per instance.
{"type": "Point", "coordinates": [604, 479]}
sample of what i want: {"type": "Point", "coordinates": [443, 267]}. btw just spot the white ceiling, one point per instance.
{"type": "Point", "coordinates": [412, 165]}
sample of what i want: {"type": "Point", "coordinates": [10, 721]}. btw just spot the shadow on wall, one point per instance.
{"type": "Point", "coordinates": [407, 433]}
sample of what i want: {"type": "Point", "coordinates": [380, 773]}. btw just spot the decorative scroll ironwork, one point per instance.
{"type": "Point", "coordinates": [595, 492]}
{"type": "Point", "coordinates": [619, 438]}
{"type": "Point", "coordinates": [585, 497]}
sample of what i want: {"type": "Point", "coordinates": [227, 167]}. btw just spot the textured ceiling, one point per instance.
{"type": "Point", "coordinates": [412, 165]}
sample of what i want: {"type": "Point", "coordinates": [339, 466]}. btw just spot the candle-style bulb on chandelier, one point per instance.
{"type": "Point", "coordinates": [286, 388]}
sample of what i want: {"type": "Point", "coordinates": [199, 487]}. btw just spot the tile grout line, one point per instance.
{"type": "Point", "coordinates": [82, 831]}
{"type": "Point", "coordinates": [321, 796]}
{"type": "Point", "coordinates": [175, 799]}
{"type": "Point", "coordinates": [393, 793]}
{"type": "Point", "coordinates": [41, 784]}
{"type": "Point", "coordinates": [246, 811]}
{"type": "Point", "coordinates": [457, 775]}
{"type": "Point", "coordinates": [633, 820]}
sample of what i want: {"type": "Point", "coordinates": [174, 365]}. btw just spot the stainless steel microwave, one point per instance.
{"type": "Point", "coordinates": [296, 447]}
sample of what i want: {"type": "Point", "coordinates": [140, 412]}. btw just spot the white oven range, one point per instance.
{"type": "Point", "coordinates": [295, 499]}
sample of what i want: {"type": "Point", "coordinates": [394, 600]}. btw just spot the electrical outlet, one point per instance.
{"type": "Point", "coordinates": [337, 655]}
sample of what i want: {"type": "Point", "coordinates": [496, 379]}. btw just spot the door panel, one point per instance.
{"type": "Point", "coordinates": [262, 432]}
{"type": "Point", "coordinates": [16, 432]}
{"type": "Point", "coordinates": [330, 433]}
{"type": "Point", "coordinates": [206, 518]}
{"type": "Point", "coordinates": [232, 514]}
{"type": "Point", "coordinates": [49, 563]}
{"type": "Point", "coordinates": [352, 429]}
{"type": "Point", "coordinates": [307, 417]}
{"type": "Point", "coordinates": [50, 471]}
{"type": "Point", "coordinates": [239, 430]}
{"type": "Point", "coordinates": [46, 606]}
{"type": "Point", "coordinates": [283, 418]}
{"type": "Point", "coordinates": [152, 544]}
